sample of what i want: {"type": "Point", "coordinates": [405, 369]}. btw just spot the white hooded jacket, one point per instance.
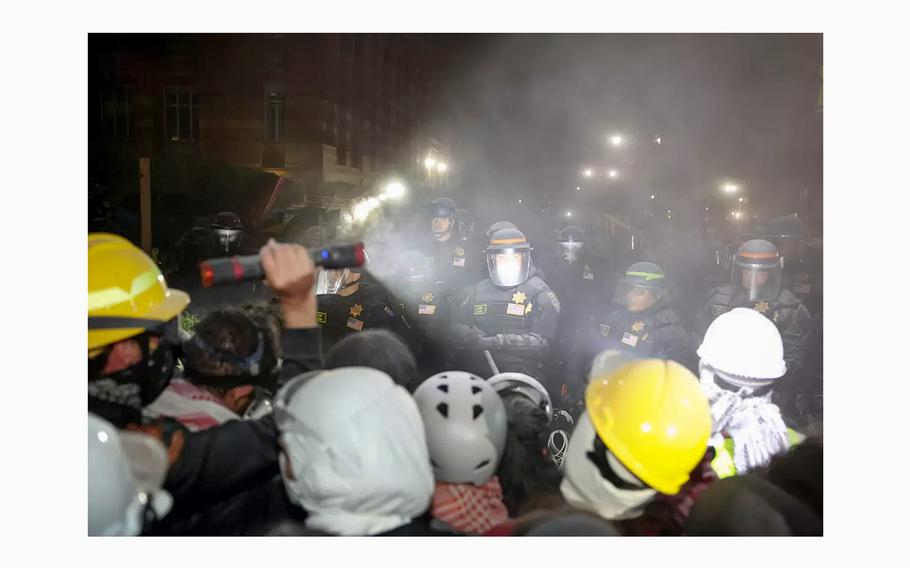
{"type": "Point", "coordinates": [356, 456]}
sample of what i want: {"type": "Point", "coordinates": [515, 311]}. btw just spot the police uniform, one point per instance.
{"type": "Point", "coordinates": [524, 317]}
{"type": "Point", "coordinates": [367, 308]}
{"type": "Point", "coordinates": [755, 284]}
{"type": "Point", "coordinates": [512, 313]}
{"type": "Point", "coordinates": [427, 314]}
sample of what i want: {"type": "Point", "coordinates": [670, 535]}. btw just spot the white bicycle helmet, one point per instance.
{"type": "Point", "coordinates": [525, 385]}
{"type": "Point", "coordinates": [466, 425]}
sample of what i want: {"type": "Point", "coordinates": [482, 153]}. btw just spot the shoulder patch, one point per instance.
{"type": "Point", "coordinates": [553, 299]}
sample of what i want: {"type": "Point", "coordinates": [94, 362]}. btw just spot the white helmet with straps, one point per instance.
{"type": "Point", "coordinates": [466, 425]}
{"type": "Point", "coordinates": [525, 385]}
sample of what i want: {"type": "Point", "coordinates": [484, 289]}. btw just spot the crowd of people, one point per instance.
{"type": "Point", "coordinates": [462, 386]}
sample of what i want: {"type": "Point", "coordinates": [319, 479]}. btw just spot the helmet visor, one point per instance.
{"type": "Point", "coordinates": [228, 240]}
{"type": "Point", "coordinates": [330, 281]}
{"type": "Point", "coordinates": [571, 250]}
{"type": "Point", "coordinates": [509, 267]}
{"type": "Point", "coordinates": [758, 281]}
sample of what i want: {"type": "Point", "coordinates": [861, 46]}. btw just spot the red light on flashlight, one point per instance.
{"type": "Point", "coordinates": [208, 275]}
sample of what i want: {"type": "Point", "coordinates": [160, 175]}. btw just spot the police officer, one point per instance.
{"type": "Point", "coordinates": [640, 323]}
{"type": "Point", "coordinates": [424, 310]}
{"type": "Point", "coordinates": [224, 237]}
{"type": "Point", "coordinates": [513, 314]}
{"type": "Point", "coordinates": [349, 301]}
{"type": "Point", "coordinates": [756, 284]}
{"type": "Point", "coordinates": [580, 283]}
{"type": "Point", "coordinates": [452, 256]}
{"type": "Point", "coordinates": [802, 272]}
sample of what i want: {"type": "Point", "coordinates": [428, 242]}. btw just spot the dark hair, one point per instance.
{"type": "Point", "coordinates": [222, 350]}
{"type": "Point", "coordinates": [378, 349]}
{"type": "Point", "coordinates": [529, 478]}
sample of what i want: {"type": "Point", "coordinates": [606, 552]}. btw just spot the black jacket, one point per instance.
{"type": "Point", "coordinates": [213, 465]}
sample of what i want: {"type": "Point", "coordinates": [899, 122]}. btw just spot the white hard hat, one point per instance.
{"type": "Point", "coordinates": [744, 343]}
{"type": "Point", "coordinates": [125, 473]}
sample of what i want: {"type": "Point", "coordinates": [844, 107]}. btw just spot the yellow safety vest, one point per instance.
{"type": "Point", "coordinates": [723, 464]}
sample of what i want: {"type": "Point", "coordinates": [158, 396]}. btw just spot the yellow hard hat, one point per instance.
{"type": "Point", "coordinates": [127, 294]}
{"type": "Point", "coordinates": [652, 415]}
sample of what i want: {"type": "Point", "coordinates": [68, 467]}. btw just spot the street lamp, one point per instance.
{"type": "Point", "coordinates": [612, 173]}
{"type": "Point", "coordinates": [588, 173]}
{"type": "Point", "coordinates": [740, 199]}
{"type": "Point", "coordinates": [393, 190]}
{"type": "Point", "coordinates": [730, 187]}
{"type": "Point", "coordinates": [568, 213]}
{"type": "Point", "coordinates": [578, 188]}
{"type": "Point", "coordinates": [616, 140]}
{"type": "Point", "coordinates": [652, 197]}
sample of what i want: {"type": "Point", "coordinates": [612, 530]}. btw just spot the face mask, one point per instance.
{"type": "Point", "coordinates": [586, 487]}
{"type": "Point", "coordinates": [228, 239]}
{"type": "Point", "coordinates": [571, 251]}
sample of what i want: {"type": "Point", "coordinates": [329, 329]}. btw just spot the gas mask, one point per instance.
{"type": "Point", "coordinates": [571, 250]}
{"type": "Point", "coordinates": [228, 240]}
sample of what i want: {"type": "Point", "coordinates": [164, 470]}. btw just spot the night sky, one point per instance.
{"type": "Point", "coordinates": [528, 111]}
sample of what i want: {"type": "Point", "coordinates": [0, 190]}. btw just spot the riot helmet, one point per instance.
{"type": "Point", "coordinates": [757, 270]}
{"type": "Point", "coordinates": [508, 258]}
{"type": "Point", "coordinates": [635, 285]}
{"type": "Point", "coordinates": [442, 218]}
{"type": "Point", "coordinates": [571, 242]}
{"type": "Point", "coordinates": [227, 232]}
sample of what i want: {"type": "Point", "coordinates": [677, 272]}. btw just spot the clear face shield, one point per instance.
{"type": "Point", "coordinates": [636, 297]}
{"type": "Point", "coordinates": [509, 267]}
{"type": "Point", "coordinates": [330, 281]}
{"type": "Point", "coordinates": [571, 250]}
{"type": "Point", "coordinates": [758, 281]}
{"type": "Point", "coordinates": [228, 240]}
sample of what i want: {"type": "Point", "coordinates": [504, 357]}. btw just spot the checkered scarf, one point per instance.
{"type": "Point", "coordinates": [468, 508]}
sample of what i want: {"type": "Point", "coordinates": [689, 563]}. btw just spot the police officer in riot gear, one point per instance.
{"type": "Point", "coordinates": [756, 284]}
{"type": "Point", "coordinates": [421, 303]}
{"type": "Point", "coordinates": [513, 314]}
{"type": "Point", "coordinates": [349, 301]}
{"type": "Point", "coordinates": [452, 256]}
{"type": "Point", "coordinates": [640, 323]}
{"type": "Point", "coordinates": [222, 238]}
{"type": "Point", "coordinates": [581, 285]}
{"type": "Point", "coordinates": [802, 272]}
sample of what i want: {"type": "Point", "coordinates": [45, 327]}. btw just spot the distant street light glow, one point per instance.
{"type": "Point", "coordinates": [588, 173]}
{"type": "Point", "coordinates": [740, 199]}
{"type": "Point", "coordinates": [616, 140]}
{"type": "Point", "coordinates": [578, 189]}
{"type": "Point", "coordinates": [568, 213]}
{"type": "Point", "coordinates": [652, 197]}
{"type": "Point", "coordinates": [442, 167]}
{"type": "Point", "coordinates": [657, 140]}
{"type": "Point", "coordinates": [394, 190]}
{"type": "Point", "coordinates": [730, 187]}
{"type": "Point", "coordinates": [613, 173]}
{"type": "Point", "coordinates": [430, 162]}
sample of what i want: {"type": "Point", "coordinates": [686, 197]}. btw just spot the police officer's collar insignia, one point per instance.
{"type": "Point", "coordinates": [604, 329]}
{"type": "Point", "coordinates": [761, 307]}
{"type": "Point", "coordinates": [519, 297]}
{"type": "Point", "coordinates": [356, 310]}
{"type": "Point", "coordinates": [428, 297]}
{"type": "Point", "coordinates": [480, 309]}
{"type": "Point", "coordinates": [638, 326]}
{"type": "Point", "coordinates": [719, 309]}
{"type": "Point", "coordinates": [320, 317]}
{"type": "Point", "coordinates": [459, 251]}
